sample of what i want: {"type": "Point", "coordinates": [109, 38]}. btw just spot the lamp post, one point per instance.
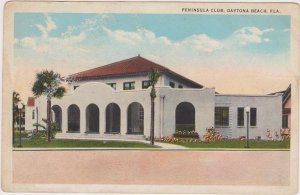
{"type": "Point", "coordinates": [20, 106]}
{"type": "Point", "coordinates": [37, 119]}
{"type": "Point", "coordinates": [247, 109]}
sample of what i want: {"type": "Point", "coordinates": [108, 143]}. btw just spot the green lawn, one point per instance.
{"type": "Point", "coordinates": [40, 142]}
{"type": "Point", "coordinates": [68, 143]}
{"type": "Point", "coordinates": [23, 133]}
{"type": "Point", "coordinates": [238, 144]}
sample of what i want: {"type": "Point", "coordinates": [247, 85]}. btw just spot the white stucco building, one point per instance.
{"type": "Point", "coordinates": [113, 101]}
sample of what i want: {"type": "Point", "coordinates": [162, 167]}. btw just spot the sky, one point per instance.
{"type": "Point", "coordinates": [236, 54]}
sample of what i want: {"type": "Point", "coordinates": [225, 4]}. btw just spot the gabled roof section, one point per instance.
{"type": "Point", "coordinates": [129, 67]}
{"type": "Point", "coordinates": [286, 95]}
{"type": "Point", "coordinates": [31, 101]}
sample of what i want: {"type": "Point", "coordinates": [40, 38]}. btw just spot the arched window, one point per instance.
{"type": "Point", "coordinates": [135, 118]}
{"type": "Point", "coordinates": [185, 116]}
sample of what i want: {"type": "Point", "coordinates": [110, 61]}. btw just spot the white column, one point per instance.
{"type": "Point", "coordinates": [123, 125]}
{"type": "Point", "coordinates": [82, 120]}
{"type": "Point", "coordinates": [102, 122]}
{"type": "Point", "coordinates": [64, 120]}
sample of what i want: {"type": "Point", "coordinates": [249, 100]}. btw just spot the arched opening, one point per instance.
{"type": "Point", "coordinates": [135, 118]}
{"type": "Point", "coordinates": [73, 118]}
{"type": "Point", "coordinates": [113, 118]}
{"type": "Point", "coordinates": [92, 119]}
{"type": "Point", "coordinates": [57, 116]}
{"type": "Point", "coordinates": [185, 116]}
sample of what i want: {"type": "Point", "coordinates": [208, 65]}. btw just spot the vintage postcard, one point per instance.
{"type": "Point", "coordinates": [150, 97]}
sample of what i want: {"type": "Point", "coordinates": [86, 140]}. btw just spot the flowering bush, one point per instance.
{"type": "Point", "coordinates": [211, 135]}
{"type": "Point", "coordinates": [185, 134]}
{"type": "Point", "coordinates": [285, 133]}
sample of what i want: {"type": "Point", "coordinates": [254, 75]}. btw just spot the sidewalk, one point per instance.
{"type": "Point", "coordinates": [170, 146]}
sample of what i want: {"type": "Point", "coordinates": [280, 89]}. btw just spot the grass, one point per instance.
{"type": "Point", "coordinates": [40, 142]}
{"type": "Point", "coordinates": [23, 133]}
{"type": "Point", "coordinates": [239, 144]}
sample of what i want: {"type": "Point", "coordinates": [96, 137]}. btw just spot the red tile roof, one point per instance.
{"type": "Point", "coordinates": [132, 66]}
{"type": "Point", "coordinates": [125, 67]}
{"type": "Point", "coordinates": [31, 101]}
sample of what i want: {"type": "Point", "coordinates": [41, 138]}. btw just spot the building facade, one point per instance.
{"type": "Point", "coordinates": [286, 108]}
{"type": "Point", "coordinates": [113, 101]}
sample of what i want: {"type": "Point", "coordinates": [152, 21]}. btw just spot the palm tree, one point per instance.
{"type": "Point", "coordinates": [16, 100]}
{"type": "Point", "coordinates": [48, 83]}
{"type": "Point", "coordinates": [153, 78]}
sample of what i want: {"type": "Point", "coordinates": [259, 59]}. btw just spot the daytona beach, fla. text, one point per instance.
{"type": "Point", "coordinates": [221, 10]}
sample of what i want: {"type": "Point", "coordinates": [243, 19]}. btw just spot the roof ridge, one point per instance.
{"type": "Point", "coordinates": [110, 64]}
{"type": "Point", "coordinates": [154, 62]}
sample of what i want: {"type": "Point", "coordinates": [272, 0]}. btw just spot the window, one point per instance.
{"type": "Point", "coordinates": [285, 119]}
{"type": "Point", "coordinates": [172, 84]}
{"type": "Point", "coordinates": [145, 84]}
{"type": "Point", "coordinates": [240, 117]}
{"type": "Point", "coordinates": [141, 112]}
{"type": "Point", "coordinates": [252, 116]}
{"type": "Point", "coordinates": [128, 85]}
{"type": "Point", "coordinates": [221, 116]}
{"type": "Point", "coordinates": [75, 87]}
{"type": "Point", "coordinates": [180, 86]}
{"type": "Point", "coordinates": [113, 85]}
{"type": "Point", "coordinates": [33, 113]}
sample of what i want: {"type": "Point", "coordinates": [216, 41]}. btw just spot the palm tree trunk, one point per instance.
{"type": "Point", "coordinates": [152, 122]}
{"type": "Point", "coordinates": [49, 119]}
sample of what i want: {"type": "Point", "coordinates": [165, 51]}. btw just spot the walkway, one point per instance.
{"type": "Point", "coordinates": [169, 146]}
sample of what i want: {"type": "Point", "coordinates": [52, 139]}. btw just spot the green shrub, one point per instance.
{"type": "Point", "coordinates": [53, 129]}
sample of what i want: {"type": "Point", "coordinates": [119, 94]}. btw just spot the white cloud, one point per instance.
{"type": "Point", "coordinates": [203, 43]}
{"type": "Point", "coordinates": [50, 26]}
{"type": "Point", "coordinates": [125, 36]}
{"type": "Point", "coordinates": [27, 42]}
{"type": "Point", "coordinates": [266, 40]}
{"type": "Point", "coordinates": [268, 30]}
{"type": "Point", "coordinates": [200, 43]}
{"type": "Point", "coordinates": [248, 35]}
{"type": "Point", "coordinates": [16, 41]}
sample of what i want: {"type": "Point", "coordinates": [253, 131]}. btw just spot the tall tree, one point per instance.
{"type": "Point", "coordinates": [48, 83]}
{"type": "Point", "coordinates": [16, 100]}
{"type": "Point", "coordinates": [153, 78]}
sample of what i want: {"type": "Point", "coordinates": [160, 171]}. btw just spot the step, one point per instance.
{"type": "Point", "coordinates": [99, 136]}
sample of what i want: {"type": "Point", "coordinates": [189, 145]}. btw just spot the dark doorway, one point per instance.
{"type": "Point", "coordinates": [92, 118]}
{"type": "Point", "coordinates": [73, 118]}
{"type": "Point", "coordinates": [113, 118]}
{"type": "Point", "coordinates": [57, 116]}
